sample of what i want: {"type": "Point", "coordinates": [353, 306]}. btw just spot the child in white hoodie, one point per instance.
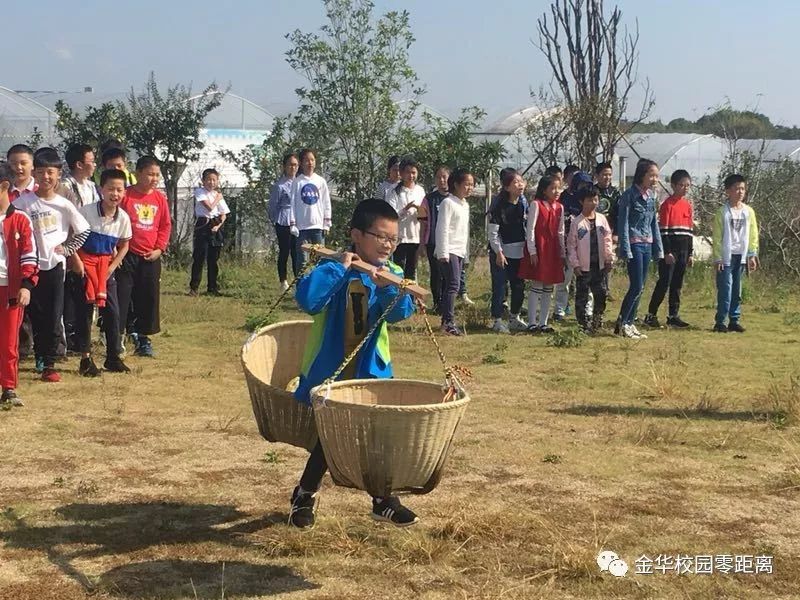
{"type": "Point", "coordinates": [310, 211]}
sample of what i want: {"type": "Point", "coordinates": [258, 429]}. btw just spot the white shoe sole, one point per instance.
{"type": "Point", "coordinates": [382, 519]}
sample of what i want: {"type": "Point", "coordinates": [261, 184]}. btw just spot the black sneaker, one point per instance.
{"type": "Point", "coordinates": [87, 367]}
{"type": "Point", "coordinates": [115, 365]}
{"type": "Point", "coordinates": [677, 322]}
{"type": "Point", "coordinates": [303, 511]}
{"type": "Point", "coordinates": [546, 329]}
{"type": "Point", "coordinates": [534, 329]}
{"type": "Point", "coordinates": [720, 328]}
{"type": "Point", "coordinates": [451, 329]}
{"type": "Point", "coordinates": [734, 326]}
{"type": "Point", "coordinates": [391, 511]}
{"type": "Point", "coordinates": [652, 321]}
{"type": "Point", "coordinates": [10, 399]}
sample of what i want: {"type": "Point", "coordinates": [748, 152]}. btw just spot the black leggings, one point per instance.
{"type": "Point", "coordinates": [315, 470]}
{"type": "Point", "coordinates": [45, 310]}
{"type": "Point", "coordinates": [206, 247]}
{"type": "Point", "coordinates": [405, 255]}
{"type": "Point", "coordinates": [287, 247]}
{"type": "Point", "coordinates": [516, 284]}
{"type": "Point", "coordinates": [111, 326]}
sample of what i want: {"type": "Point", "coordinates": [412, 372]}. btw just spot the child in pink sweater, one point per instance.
{"type": "Point", "coordinates": [590, 255]}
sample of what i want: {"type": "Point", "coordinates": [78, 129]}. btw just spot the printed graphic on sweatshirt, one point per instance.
{"type": "Point", "coordinates": [145, 214]}
{"type": "Point", "coordinates": [44, 222]}
{"type": "Point", "coordinates": [737, 225]}
{"type": "Point", "coordinates": [604, 205]}
{"type": "Point", "coordinates": [309, 194]}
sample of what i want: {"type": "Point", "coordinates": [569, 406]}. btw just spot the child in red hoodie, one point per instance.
{"type": "Point", "coordinates": [19, 264]}
{"type": "Point", "coordinates": [676, 222]}
{"type": "Point", "coordinates": [139, 275]}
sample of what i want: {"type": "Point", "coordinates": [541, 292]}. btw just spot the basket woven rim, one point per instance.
{"type": "Point", "coordinates": [318, 394]}
{"type": "Point", "coordinates": [258, 333]}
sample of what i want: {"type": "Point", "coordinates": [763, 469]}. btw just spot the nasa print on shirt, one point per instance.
{"type": "Point", "coordinates": [309, 194]}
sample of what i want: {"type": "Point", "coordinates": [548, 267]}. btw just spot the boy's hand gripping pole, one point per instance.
{"type": "Point", "coordinates": [359, 265]}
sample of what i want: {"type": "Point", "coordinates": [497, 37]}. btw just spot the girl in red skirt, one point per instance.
{"type": "Point", "coordinates": [543, 262]}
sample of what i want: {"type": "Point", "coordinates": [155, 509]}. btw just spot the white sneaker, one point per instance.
{"type": "Point", "coordinates": [517, 324]}
{"type": "Point", "coordinates": [638, 333]}
{"type": "Point", "coordinates": [466, 299]}
{"type": "Point", "coordinates": [629, 331]}
{"type": "Point", "coordinates": [284, 285]}
{"type": "Point", "coordinates": [500, 326]}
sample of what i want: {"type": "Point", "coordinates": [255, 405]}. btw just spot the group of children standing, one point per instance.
{"type": "Point", "coordinates": [574, 232]}
{"type": "Point", "coordinates": [108, 234]}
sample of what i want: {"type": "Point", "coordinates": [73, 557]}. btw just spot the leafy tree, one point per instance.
{"type": "Point", "coordinates": [167, 126]}
{"type": "Point", "coordinates": [94, 126]}
{"type": "Point", "coordinates": [355, 67]}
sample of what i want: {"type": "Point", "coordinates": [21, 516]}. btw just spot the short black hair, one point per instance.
{"type": "Point", "coordinates": [109, 143]}
{"type": "Point", "coordinates": [393, 161]}
{"type": "Point", "coordinates": [287, 156]}
{"type": "Point", "coordinates": [112, 174]}
{"type": "Point", "coordinates": [588, 192]}
{"type": "Point", "coordinates": [19, 149]}
{"type": "Point", "coordinates": [147, 161]}
{"type": "Point", "coordinates": [304, 152]}
{"type": "Point", "coordinates": [571, 170]}
{"type": "Point", "coordinates": [456, 177]}
{"type": "Point", "coordinates": [733, 179]}
{"type": "Point", "coordinates": [76, 153]}
{"type": "Point", "coordinates": [111, 154]}
{"type": "Point", "coordinates": [642, 167]}
{"type": "Point", "coordinates": [408, 162]}
{"type": "Point", "coordinates": [678, 175]}
{"type": "Point", "coordinates": [207, 172]}
{"type": "Point", "coordinates": [369, 211]}
{"type": "Point", "coordinates": [601, 166]}
{"type": "Point", "coordinates": [7, 173]}
{"type": "Point", "coordinates": [505, 171]}
{"type": "Point", "coordinates": [545, 182]}
{"type": "Point", "coordinates": [45, 158]}
{"type": "Point", "coordinates": [553, 170]}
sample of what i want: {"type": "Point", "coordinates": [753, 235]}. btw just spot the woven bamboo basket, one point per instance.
{"type": "Point", "coordinates": [386, 436]}
{"type": "Point", "coordinates": [271, 359]}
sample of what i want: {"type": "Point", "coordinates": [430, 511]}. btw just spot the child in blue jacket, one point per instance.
{"type": "Point", "coordinates": [345, 304]}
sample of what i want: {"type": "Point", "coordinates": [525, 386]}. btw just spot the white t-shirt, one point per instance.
{"type": "Point", "coordinates": [105, 232]}
{"type": "Point", "coordinates": [201, 195]}
{"type": "Point", "coordinates": [408, 226]}
{"type": "Point", "coordinates": [52, 221]}
{"type": "Point", "coordinates": [738, 241]}
{"type": "Point", "coordinates": [3, 255]}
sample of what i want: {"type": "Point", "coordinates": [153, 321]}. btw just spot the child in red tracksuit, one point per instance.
{"type": "Point", "coordinates": [19, 265]}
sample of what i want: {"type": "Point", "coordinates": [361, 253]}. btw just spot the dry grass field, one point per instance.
{"type": "Point", "coordinates": [156, 485]}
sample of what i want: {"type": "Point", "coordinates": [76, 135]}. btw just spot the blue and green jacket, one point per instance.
{"type": "Point", "coordinates": [323, 294]}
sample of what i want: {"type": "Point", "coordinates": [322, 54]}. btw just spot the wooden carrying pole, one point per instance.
{"type": "Point", "coordinates": [360, 265]}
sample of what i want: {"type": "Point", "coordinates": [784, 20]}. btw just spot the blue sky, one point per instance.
{"type": "Point", "coordinates": [695, 53]}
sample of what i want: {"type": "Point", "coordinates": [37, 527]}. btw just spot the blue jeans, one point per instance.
{"type": "Point", "coordinates": [499, 282]}
{"type": "Point", "coordinates": [637, 276]}
{"type": "Point", "coordinates": [729, 291]}
{"type": "Point", "coordinates": [312, 236]}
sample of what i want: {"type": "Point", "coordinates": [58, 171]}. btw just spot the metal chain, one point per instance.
{"type": "Point", "coordinates": [313, 259]}
{"type": "Point", "coordinates": [454, 382]}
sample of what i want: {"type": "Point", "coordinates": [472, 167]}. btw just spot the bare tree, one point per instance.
{"type": "Point", "coordinates": [594, 61]}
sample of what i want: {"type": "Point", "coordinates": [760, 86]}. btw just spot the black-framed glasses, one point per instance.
{"type": "Point", "coordinates": [384, 239]}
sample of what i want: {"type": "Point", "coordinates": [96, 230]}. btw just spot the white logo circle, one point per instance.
{"type": "Point", "coordinates": [618, 568]}
{"type": "Point", "coordinates": [605, 558]}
